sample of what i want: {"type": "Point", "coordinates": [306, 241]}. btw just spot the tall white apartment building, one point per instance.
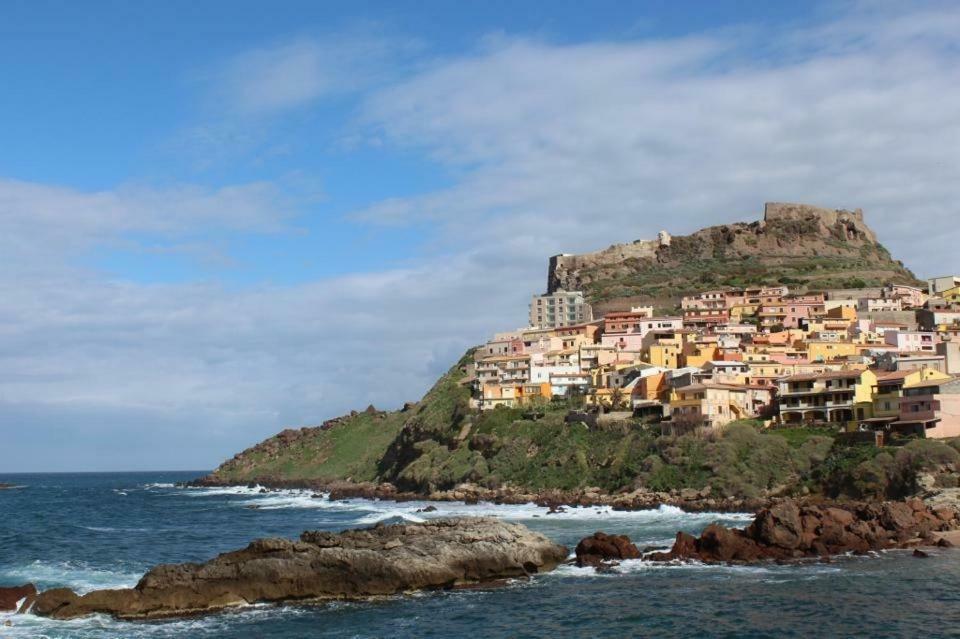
{"type": "Point", "coordinates": [561, 308]}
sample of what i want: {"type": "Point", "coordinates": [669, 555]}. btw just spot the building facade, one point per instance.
{"type": "Point", "coordinates": [561, 308]}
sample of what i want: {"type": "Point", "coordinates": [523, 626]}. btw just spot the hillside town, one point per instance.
{"type": "Point", "coordinates": [883, 361]}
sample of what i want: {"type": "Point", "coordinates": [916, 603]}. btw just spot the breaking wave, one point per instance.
{"type": "Point", "coordinates": [76, 575]}
{"type": "Point", "coordinates": [373, 511]}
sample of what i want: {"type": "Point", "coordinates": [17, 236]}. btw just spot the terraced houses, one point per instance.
{"type": "Point", "coordinates": [883, 360]}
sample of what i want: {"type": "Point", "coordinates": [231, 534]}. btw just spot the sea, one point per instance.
{"type": "Point", "coordinates": [91, 531]}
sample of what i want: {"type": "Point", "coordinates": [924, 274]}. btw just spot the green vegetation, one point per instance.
{"type": "Point", "coordinates": [350, 450]}
{"type": "Point", "coordinates": [440, 442]}
{"type": "Point", "coordinates": [652, 280]}
{"type": "Point", "coordinates": [864, 471]}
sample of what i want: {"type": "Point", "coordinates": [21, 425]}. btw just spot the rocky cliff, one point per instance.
{"type": "Point", "coordinates": [803, 246]}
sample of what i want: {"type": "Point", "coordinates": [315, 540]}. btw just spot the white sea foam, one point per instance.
{"type": "Point", "coordinates": [771, 573]}
{"type": "Point", "coordinates": [79, 576]}
{"type": "Point", "coordinates": [372, 511]}
{"type": "Point", "coordinates": [158, 485]}
{"type": "Point", "coordinates": [108, 529]}
{"type": "Point", "coordinates": [103, 627]}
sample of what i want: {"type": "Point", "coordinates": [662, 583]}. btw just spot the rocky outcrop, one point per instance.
{"type": "Point", "coordinates": [11, 597]}
{"type": "Point", "coordinates": [384, 560]}
{"type": "Point", "coordinates": [600, 548]}
{"type": "Point", "coordinates": [795, 243]}
{"type": "Point", "coordinates": [788, 531]}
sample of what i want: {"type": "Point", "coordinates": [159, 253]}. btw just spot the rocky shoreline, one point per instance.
{"type": "Point", "coordinates": [788, 532]}
{"type": "Point", "coordinates": [355, 564]}
{"type": "Point", "coordinates": [689, 500]}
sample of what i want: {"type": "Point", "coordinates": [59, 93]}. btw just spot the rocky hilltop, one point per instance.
{"type": "Point", "coordinates": [806, 247]}
{"type": "Point", "coordinates": [442, 448]}
{"type": "Point", "coordinates": [355, 564]}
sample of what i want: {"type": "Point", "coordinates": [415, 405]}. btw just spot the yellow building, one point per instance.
{"type": "Point", "coordinates": [824, 351]}
{"type": "Point", "coordinates": [717, 405]}
{"type": "Point", "coordinates": [843, 397]}
{"type": "Point", "coordinates": [698, 354]}
{"type": "Point", "coordinates": [951, 294]}
{"type": "Point", "coordinates": [739, 311]}
{"type": "Point", "coordinates": [889, 390]}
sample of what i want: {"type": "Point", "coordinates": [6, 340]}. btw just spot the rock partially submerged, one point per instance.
{"type": "Point", "coordinates": [787, 531]}
{"type": "Point", "coordinates": [17, 598]}
{"type": "Point", "coordinates": [355, 564]}
{"type": "Point", "coordinates": [600, 549]}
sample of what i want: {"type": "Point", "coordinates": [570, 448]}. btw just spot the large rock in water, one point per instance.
{"type": "Point", "coordinates": [789, 531]}
{"type": "Point", "coordinates": [601, 547]}
{"type": "Point", "coordinates": [382, 560]}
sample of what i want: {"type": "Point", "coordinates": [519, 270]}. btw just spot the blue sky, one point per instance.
{"type": "Point", "coordinates": [223, 218]}
{"type": "Point", "coordinates": [128, 92]}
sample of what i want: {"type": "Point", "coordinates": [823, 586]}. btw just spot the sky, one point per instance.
{"type": "Point", "coordinates": [219, 219]}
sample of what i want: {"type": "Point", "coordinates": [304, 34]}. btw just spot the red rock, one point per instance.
{"type": "Point", "coordinates": [11, 596]}
{"type": "Point", "coordinates": [916, 504]}
{"type": "Point", "coordinates": [897, 517]}
{"type": "Point", "coordinates": [839, 515]}
{"type": "Point", "coordinates": [778, 525]}
{"type": "Point", "coordinates": [784, 532]}
{"type": "Point", "coordinates": [945, 513]}
{"type": "Point", "coordinates": [601, 547]}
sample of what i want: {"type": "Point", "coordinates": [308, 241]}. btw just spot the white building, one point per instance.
{"type": "Point", "coordinates": [561, 308]}
{"type": "Point", "coordinates": [937, 285]}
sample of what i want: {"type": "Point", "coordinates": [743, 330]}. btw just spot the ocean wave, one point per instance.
{"type": "Point", "coordinates": [77, 575]}
{"type": "Point", "coordinates": [108, 529]}
{"type": "Point", "coordinates": [294, 498]}
{"type": "Point", "coordinates": [769, 572]}
{"type": "Point", "coordinates": [224, 624]}
{"type": "Point", "coordinates": [219, 491]}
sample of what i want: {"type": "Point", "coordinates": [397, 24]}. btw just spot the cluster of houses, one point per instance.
{"type": "Point", "coordinates": [885, 360]}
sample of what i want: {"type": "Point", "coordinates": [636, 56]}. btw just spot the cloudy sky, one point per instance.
{"type": "Point", "coordinates": [218, 219]}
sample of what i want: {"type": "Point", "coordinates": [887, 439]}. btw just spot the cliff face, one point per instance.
{"type": "Point", "coordinates": [800, 245]}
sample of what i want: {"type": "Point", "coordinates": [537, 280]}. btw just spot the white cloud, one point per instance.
{"type": "Point", "coordinates": [288, 75]}
{"type": "Point", "coordinates": [553, 148]}
{"type": "Point", "coordinates": [576, 146]}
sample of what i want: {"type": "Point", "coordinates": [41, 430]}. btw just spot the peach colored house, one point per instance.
{"type": "Point", "coordinates": [930, 409]}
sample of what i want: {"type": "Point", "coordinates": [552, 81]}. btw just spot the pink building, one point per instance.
{"type": "Point", "coordinates": [909, 296]}
{"type": "Point", "coordinates": [912, 341]}
{"type": "Point", "coordinates": [930, 409]}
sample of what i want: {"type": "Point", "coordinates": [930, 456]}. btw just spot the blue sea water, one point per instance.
{"type": "Point", "coordinates": [89, 531]}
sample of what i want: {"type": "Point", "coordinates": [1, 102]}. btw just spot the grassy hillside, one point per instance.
{"type": "Point", "coordinates": [349, 450]}
{"type": "Point", "coordinates": [439, 443]}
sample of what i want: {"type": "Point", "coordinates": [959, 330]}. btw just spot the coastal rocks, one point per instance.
{"type": "Point", "coordinates": [355, 564]}
{"type": "Point", "coordinates": [600, 548]}
{"type": "Point", "coordinates": [10, 597]}
{"type": "Point", "coordinates": [787, 531]}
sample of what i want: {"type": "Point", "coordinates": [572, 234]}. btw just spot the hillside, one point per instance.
{"type": "Point", "coordinates": [438, 443]}
{"type": "Point", "coordinates": [802, 246]}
